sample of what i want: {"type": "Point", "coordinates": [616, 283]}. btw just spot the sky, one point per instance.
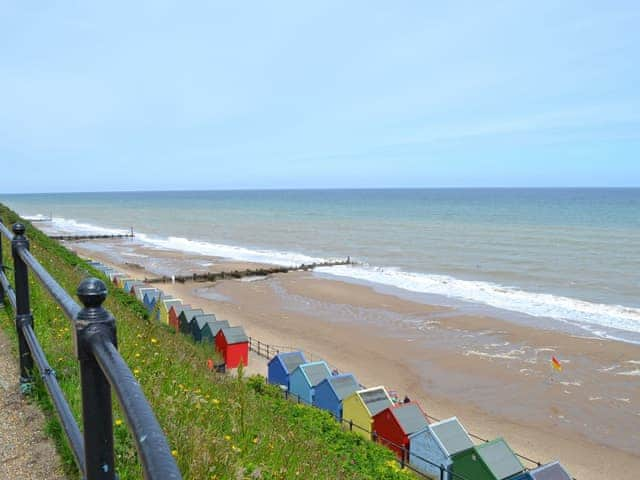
{"type": "Point", "coordinates": [161, 95]}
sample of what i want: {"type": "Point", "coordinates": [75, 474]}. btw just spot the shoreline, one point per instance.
{"type": "Point", "coordinates": [490, 373]}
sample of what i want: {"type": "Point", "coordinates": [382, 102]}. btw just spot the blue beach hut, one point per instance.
{"type": "Point", "coordinates": [305, 377]}
{"type": "Point", "coordinates": [550, 471]}
{"type": "Point", "coordinates": [436, 443]}
{"type": "Point", "coordinates": [151, 298]}
{"type": "Point", "coordinates": [332, 390]}
{"type": "Point", "coordinates": [282, 365]}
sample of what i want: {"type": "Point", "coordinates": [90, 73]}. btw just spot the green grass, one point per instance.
{"type": "Point", "coordinates": [219, 427]}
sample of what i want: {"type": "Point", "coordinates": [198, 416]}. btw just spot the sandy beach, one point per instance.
{"type": "Point", "coordinates": [495, 375]}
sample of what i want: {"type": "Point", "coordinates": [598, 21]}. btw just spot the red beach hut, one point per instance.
{"type": "Point", "coordinates": [174, 315]}
{"type": "Point", "coordinates": [393, 426]}
{"type": "Point", "coordinates": [233, 344]}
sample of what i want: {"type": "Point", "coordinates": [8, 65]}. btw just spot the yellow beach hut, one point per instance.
{"type": "Point", "coordinates": [164, 306]}
{"type": "Point", "coordinates": [359, 408]}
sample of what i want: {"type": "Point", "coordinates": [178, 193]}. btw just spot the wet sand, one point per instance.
{"type": "Point", "coordinates": [494, 375]}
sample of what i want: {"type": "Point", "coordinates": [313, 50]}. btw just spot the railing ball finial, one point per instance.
{"type": "Point", "coordinates": [18, 229]}
{"type": "Point", "coordinates": [92, 292]}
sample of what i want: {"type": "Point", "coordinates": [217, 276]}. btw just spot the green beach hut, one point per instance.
{"type": "Point", "coordinates": [185, 318]}
{"type": "Point", "coordinates": [490, 461]}
{"type": "Point", "coordinates": [200, 324]}
{"type": "Point", "coordinates": [214, 328]}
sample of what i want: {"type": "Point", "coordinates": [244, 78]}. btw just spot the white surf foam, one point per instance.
{"type": "Point", "coordinates": [492, 294]}
{"type": "Point", "coordinates": [272, 257]}
{"type": "Point", "coordinates": [498, 296]}
{"type": "Point", "coordinates": [72, 226]}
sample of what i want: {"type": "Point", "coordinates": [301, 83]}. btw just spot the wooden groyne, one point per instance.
{"type": "Point", "coordinates": [92, 237]}
{"type": "Point", "coordinates": [249, 272]}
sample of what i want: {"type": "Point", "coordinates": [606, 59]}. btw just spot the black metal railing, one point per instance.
{"type": "Point", "coordinates": [101, 369]}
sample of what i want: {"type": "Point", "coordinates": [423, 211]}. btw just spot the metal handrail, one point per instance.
{"type": "Point", "coordinates": [101, 368]}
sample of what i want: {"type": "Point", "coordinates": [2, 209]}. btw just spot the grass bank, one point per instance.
{"type": "Point", "coordinates": [219, 427]}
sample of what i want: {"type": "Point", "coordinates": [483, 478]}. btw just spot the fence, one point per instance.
{"type": "Point", "coordinates": [101, 369]}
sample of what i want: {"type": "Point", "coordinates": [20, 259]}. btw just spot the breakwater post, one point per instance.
{"type": "Point", "coordinates": [92, 237]}
{"type": "Point", "coordinates": [249, 272]}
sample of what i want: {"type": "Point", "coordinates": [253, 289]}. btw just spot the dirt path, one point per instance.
{"type": "Point", "coordinates": [25, 451]}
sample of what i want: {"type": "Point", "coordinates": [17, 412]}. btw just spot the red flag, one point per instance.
{"type": "Point", "coordinates": [556, 363]}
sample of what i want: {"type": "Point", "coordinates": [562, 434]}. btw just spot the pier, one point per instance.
{"type": "Point", "coordinates": [249, 272]}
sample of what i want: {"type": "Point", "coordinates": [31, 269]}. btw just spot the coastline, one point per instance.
{"type": "Point", "coordinates": [492, 374]}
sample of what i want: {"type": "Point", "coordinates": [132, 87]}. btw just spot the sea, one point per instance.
{"type": "Point", "coordinates": [564, 257]}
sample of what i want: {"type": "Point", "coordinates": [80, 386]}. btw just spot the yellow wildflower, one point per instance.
{"type": "Point", "coordinates": [174, 453]}
{"type": "Point", "coordinates": [227, 438]}
{"type": "Point", "coordinates": [154, 340]}
{"type": "Point", "coordinates": [118, 422]}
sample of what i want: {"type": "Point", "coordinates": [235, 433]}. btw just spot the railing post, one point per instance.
{"type": "Point", "coordinates": [1, 270]}
{"type": "Point", "coordinates": [95, 324]}
{"type": "Point", "coordinates": [23, 310]}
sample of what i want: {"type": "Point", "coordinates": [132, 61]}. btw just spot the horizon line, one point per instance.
{"type": "Point", "coordinates": [277, 189]}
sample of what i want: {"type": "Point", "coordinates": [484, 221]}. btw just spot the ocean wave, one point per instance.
{"type": "Point", "coordinates": [498, 296]}
{"type": "Point", "coordinates": [72, 226]}
{"type": "Point", "coordinates": [487, 293]}
{"type": "Point", "coordinates": [272, 257]}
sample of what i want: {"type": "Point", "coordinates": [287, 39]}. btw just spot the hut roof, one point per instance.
{"type": "Point", "coordinates": [169, 302]}
{"type": "Point", "coordinates": [291, 360]}
{"type": "Point", "coordinates": [315, 372]}
{"type": "Point", "coordinates": [180, 308]}
{"type": "Point", "coordinates": [202, 320]}
{"type": "Point", "coordinates": [189, 313]}
{"type": "Point", "coordinates": [218, 325]}
{"type": "Point", "coordinates": [343, 385]}
{"type": "Point", "coordinates": [410, 417]}
{"type": "Point", "coordinates": [234, 335]}
{"type": "Point", "coordinates": [376, 399]}
{"type": "Point", "coordinates": [499, 458]}
{"type": "Point", "coordinates": [452, 435]}
{"type": "Point", "coordinates": [550, 471]}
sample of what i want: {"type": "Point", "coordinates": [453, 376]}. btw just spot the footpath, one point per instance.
{"type": "Point", "coordinates": [26, 453]}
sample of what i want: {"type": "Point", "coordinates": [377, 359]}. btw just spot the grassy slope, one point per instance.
{"type": "Point", "coordinates": [218, 426]}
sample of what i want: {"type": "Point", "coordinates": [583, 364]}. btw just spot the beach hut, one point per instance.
{"type": "Point", "coordinates": [120, 281]}
{"type": "Point", "coordinates": [128, 283]}
{"type": "Point", "coordinates": [214, 328]}
{"type": "Point", "coordinates": [305, 377]}
{"type": "Point", "coordinates": [174, 315]}
{"type": "Point", "coordinates": [164, 306]}
{"type": "Point", "coordinates": [135, 285]}
{"type": "Point", "coordinates": [200, 323]}
{"type": "Point", "coordinates": [489, 461]}
{"type": "Point", "coordinates": [142, 291]}
{"type": "Point", "coordinates": [359, 408]}
{"type": "Point", "coordinates": [150, 300]}
{"type": "Point", "coordinates": [550, 471]}
{"type": "Point", "coordinates": [233, 344]}
{"type": "Point", "coordinates": [282, 365]}
{"type": "Point", "coordinates": [395, 424]}
{"type": "Point", "coordinates": [185, 318]}
{"type": "Point", "coordinates": [330, 393]}
{"type": "Point", "coordinates": [118, 278]}
{"type": "Point", "coordinates": [436, 443]}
